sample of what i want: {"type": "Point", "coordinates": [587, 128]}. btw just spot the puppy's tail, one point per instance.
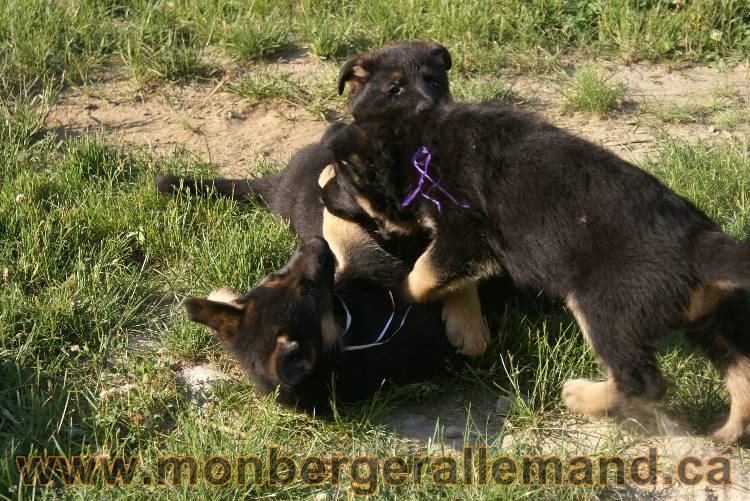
{"type": "Point", "coordinates": [725, 262]}
{"type": "Point", "coordinates": [259, 190]}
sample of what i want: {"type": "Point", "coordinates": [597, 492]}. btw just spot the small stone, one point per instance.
{"type": "Point", "coordinates": [712, 129]}
{"type": "Point", "coordinates": [508, 442]}
{"type": "Point", "coordinates": [504, 405]}
{"type": "Point", "coordinates": [20, 198]}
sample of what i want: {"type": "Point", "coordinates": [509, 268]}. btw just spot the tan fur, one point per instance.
{"type": "Point", "coordinates": [326, 175]}
{"type": "Point", "coordinates": [595, 399]}
{"type": "Point", "coordinates": [423, 282]}
{"type": "Point", "coordinates": [352, 86]}
{"type": "Point", "coordinates": [281, 342]}
{"type": "Point", "coordinates": [223, 295]}
{"type": "Point", "coordinates": [215, 315]}
{"type": "Point", "coordinates": [592, 398]}
{"type": "Point", "coordinates": [360, 72]}
{"type": "Point", "coordinates": [389, 225]}
{"type": "Point", "coordinates": [344, 238]}
{"type": "Point", "coordinates": [329, 330]}
{"type": "Point", "coordinates": [575, 309]}
{"type": "Point", "coordinates": [464, 324]}
{"type": "Point", "coordinates": [706, 299]}
{"type": "Point", "coordinates": [737, 379]}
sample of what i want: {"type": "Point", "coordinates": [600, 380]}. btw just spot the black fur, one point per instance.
{"type": "Point", "coordinates": [555, 212]}
{"type": "Point", "coordinates": [292, 305]}
{"type": "Point", "coordinates": [294, 193]}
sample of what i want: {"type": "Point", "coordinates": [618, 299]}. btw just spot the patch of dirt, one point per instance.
{"type": "Point", "coordinates": [220, 128]}
{"type": "Point", "coordinates": [630, 131]}
{"type": "Point", "coordinates": [230, 132]}
{"type": "Point", "coordinates": [450, 423]}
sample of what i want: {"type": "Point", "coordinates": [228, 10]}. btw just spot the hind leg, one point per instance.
{"type": "Point", "coordinates": [633, 377]}
{"type": "Point", "coordinates": [725, 342]}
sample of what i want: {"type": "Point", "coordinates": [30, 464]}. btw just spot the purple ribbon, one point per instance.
{"type": "Point", "coordinates": [421, 167]}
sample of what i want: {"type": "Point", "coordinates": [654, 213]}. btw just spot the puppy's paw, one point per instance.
{"type": "Point", "coordinates": [592, 398]}
{"type": "Point", "coordinates": [465, 328]}
{"type": "Point", "coordinates": [729, 431]}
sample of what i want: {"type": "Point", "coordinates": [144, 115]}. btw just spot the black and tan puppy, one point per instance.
{"type": "Point", "coordinates": [391, 83]}
{"type": "Point", "coordinates": [291, 332]}
{"type": "Point", "coordinates": [519, 196]}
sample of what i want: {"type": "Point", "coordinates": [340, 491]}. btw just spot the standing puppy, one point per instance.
{"type": "Point", "coordinates": [391, 83]}
{"type": "Point", "coordinates": [505, 191]}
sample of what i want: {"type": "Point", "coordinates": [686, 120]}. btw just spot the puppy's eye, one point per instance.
{"type": "Point", "coordinates": [432, 81]}
{"type": "Point", "coordinates": [394, 90]}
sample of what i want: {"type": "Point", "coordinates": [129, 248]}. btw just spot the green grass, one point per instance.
{"type": "Point", "coordinates": [179, 40]}
{"type": "Point", "coordinates": [317, 96]}
{"type": "Point", "coordinates": [94, 264]}
{"type": "Point", "coordinates": [484, 90]}
{"type": "Point", "coordinates": [726, 110]}
{"type": "Point", "coordinates": [590, 92]}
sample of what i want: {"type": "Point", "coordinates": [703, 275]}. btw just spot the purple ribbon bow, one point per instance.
{"type": "Point", "coordinates": [421, 167]}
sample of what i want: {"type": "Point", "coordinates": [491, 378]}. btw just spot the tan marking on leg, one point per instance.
{"type": "Point", "coordinates": [344, 238]}
{"type": "Point", "coordinates": [326, 175]}
{"type": "Point", "coordinates": [464, 324]}
{"type": "Point", "coordinates": [595, 399]}
{"type": "Point", "coordinates": [577, 312]}
{"type": "Point", "coordinates": [423, 282]}
{"type": "Point", "coordinates": [737, 380]}
{"type": "Point", "coordinates": [705, 300]}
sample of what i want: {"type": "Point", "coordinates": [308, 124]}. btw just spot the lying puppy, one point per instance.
{"type": "Point", "coordinates": [279, 332]}
{"type": "Point", "coordinates": [506, 191]}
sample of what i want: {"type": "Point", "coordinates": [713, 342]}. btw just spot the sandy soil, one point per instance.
{"type": "Point", "coordinates": [228, 131]}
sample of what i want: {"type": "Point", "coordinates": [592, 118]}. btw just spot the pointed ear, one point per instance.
{"type": "Point", "coordinates": [438, 51]}
{"type": "Point", "coordinates": [355, 70]}
{"type": "Point", "coordinates": [224, 318]}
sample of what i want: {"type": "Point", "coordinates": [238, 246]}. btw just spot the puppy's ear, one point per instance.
{"type": "Point", "coordinates": [355, 70]}
{"type": "Point", "coordinates": [440, 52]}
{"type": "Point", "coordinates": [222, 317]}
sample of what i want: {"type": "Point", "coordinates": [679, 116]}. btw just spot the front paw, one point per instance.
{"type": "Point", "coordinates": [466, 330]}
{"type": "Point", "coordinates": [418, 288]}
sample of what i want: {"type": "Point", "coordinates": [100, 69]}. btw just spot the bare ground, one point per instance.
{"type": "Point", "coordinates": [228, 131]}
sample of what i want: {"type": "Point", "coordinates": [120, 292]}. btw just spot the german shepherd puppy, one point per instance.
{"type": "Point", "coordinates": [630, 257]}
{"type": "Point", "coordinates": [391, 83]}
{"type": "Point", "coordinates": [279, 332]}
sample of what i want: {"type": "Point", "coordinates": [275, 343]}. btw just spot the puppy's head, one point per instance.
{"type": "Point", "coordinates": [281, 328]}
{"type": "Point", "coordinates": [368, 184]}
{"type": "Point", "coordinates": [397, 81]}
